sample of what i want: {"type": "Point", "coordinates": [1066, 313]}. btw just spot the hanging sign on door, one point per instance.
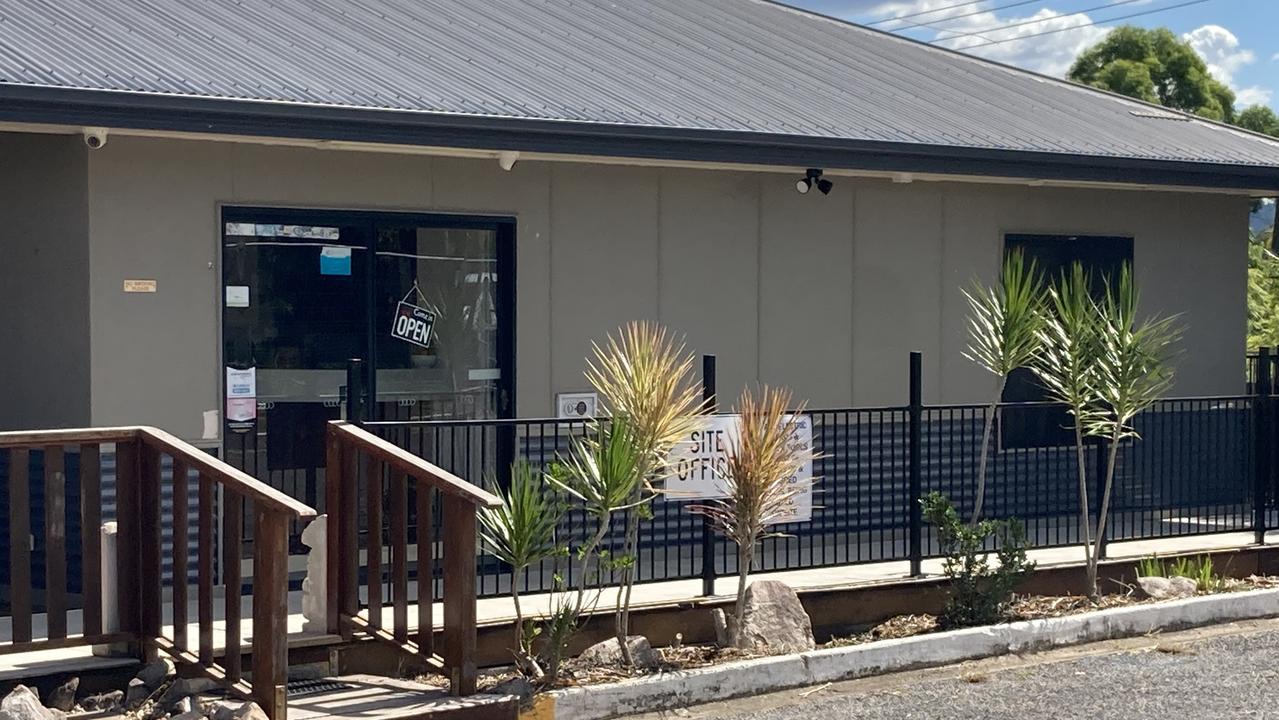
{"type": "Point", "coordinates": [413, 323]}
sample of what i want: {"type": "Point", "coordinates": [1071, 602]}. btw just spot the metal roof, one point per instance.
{"type": "Point", "coordinates": [727, 69]}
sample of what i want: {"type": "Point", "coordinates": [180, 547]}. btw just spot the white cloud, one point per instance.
{"type": "Point", "coordinates": [1254, 95]}
{"type": "Point", "coordinates": [1220, 49]}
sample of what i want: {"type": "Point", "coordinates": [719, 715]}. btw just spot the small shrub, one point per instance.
{"type": "Point", "coordinates": [1151, 567]}
{"type": "Point", "coordinates": [979, 592]}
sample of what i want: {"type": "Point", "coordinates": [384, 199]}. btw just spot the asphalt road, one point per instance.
{"type": "Point", "coordinates": [1229, 671]}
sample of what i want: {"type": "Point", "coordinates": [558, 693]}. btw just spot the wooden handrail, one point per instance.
{"type": "Point", "coordinates": [223, 474]}
{"type": "Point", "coordinates": [217, 470]}
{"type": "Point", "coordinates": [406, 462]}
{"type": "Point", "coordinates": [355, 458]}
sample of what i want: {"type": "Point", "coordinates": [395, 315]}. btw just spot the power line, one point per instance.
{"type": "Point", "coordinates": [1074, 27]}
{"type": "Point", "coordinates": [1010, 26]}
{"type": "Point", "coordinates": [929, 23]}
{"type": "Point", "coordinates": [924, 12]}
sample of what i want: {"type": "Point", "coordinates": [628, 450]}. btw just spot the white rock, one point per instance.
{"type": "Point", "coordinates": [609, 653]}
{"type": "Point", "coordinates": [774, 620]}
{"type": "Point", "coordinates": [249, 711]}
{"type": "Point", "coordinates": [1161, 588]}
{"type": "Point", "coordinates": [22, 703]}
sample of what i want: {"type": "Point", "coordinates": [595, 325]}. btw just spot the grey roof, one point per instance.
{"type": "Point", "coordinates": [722, 66]}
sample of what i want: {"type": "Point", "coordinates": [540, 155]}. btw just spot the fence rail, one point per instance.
{"type": "Point", "coordinates": [1194, 470]}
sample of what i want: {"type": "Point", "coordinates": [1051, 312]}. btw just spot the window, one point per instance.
{"type": "Point", "coordinates": [1102, 257]}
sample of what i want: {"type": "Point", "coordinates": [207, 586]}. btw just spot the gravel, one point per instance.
{"type": "Point", "coordinates": [1233, 676]}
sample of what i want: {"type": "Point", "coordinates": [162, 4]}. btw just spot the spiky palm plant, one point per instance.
{"type": "Point", "coordinates": [1133, 370]}
{"type": "Point", "coordinates": [603, 473]}
{"type": "Point", "coordinates": [1004, 323]}
{"type": "Point", "coordinates": [522, 532]}
{"type": "Point", "coordinates": [645, 375]}
{"type": "Point", "coordinates": [759, 466]}
{"type": "Point", "coordinates": [1066, 364]}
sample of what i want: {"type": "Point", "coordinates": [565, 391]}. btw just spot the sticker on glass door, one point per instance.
{"type": "Point", "coordinates": [413, 323]}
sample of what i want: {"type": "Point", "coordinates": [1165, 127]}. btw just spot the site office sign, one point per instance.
{"type": "Point", "coordinates": [700, 463]}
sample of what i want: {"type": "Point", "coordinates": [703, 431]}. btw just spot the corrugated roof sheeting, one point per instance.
{"type": "Point", "coordinates": [729, 65]}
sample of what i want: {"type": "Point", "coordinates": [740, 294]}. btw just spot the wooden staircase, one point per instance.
{"type": "Point", "coordinates": [363, 472]}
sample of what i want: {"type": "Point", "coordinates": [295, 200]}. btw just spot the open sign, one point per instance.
{"type": "Point", "coordinates": [413, 324]}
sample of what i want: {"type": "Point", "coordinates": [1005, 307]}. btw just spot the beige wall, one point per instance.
{"type": "Point", "coordinates": [44, 282]}
{"type": "Point", "coordinates": [826, 294]}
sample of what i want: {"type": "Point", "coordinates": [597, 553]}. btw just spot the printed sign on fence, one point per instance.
{"type": "Point", "coordinates": [700, 463]}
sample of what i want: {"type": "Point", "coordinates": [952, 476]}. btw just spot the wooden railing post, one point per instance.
{"type": "Point", "coordinates": [270, 610]}
{"type": "Point", "coordinates": [333, 481]}
{"type": "Point", "coordinates": [459, 593]}
{"type": "Point", "coordinates": [149, 591]}
{"type": "Point", "coordinates": [128, 521]}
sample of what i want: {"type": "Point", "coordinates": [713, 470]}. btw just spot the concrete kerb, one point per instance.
{"type": "Point", "coordinates": [761, 675]}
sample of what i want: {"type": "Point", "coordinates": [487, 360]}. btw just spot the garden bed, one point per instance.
{"type": "Point", "coordinates": [690, 674]}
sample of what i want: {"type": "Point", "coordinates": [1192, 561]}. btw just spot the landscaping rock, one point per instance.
{"type": "Point", "coordinates": [1184, 586]}
{"type": "Point", "coordinates": [222, 709]}
{"type": "Point", "coordinates": [136, 694]}
{"type": "Point", "coordinates": [774, 621]}
{"type": "Point", "coordinates": [24, 704]}
{"type": "Point", "coordinates": [155, 673]}
{"type": "Point", "coordinates": [182, 706]}
{"type": "Point", "coordinates": [249, 711]}
{"type": "Point", "coordinates": [609, 653]}
{"type": "Point", "coordinates": [184, 688]}
{"type": "Point", "coordinates": [189, 715]}
{"type": "Point", "coordinates": [518, 686]}
{"type": "Point", "coordinates": [103, 702]}
{"type": "Point", "coordinates": [1162, 588]}
{"type": "Point", "coordinates": [63, 696]}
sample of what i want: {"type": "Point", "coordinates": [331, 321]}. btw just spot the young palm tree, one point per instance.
{"type": "Point", "coordinates": [645, 375]}
{"type": "Point", "coordinates": [1133, 371]}
{"type": "Point", "coordinates": [1066, 364]}
{"type": "Point", "coordinates": [1004, 324]}
{"type": "Point", "coordinates": [521, 533]}
{"type": "Point", "coordinates": [760, 465]}
{"type": "Point", "coordinates": [603, 473]}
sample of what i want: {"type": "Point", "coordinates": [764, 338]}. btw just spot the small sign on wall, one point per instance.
{"type": "Point", "coordinates": [139, 286]}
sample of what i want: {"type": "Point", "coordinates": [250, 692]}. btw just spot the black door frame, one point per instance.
{"type": "Point", "coordinates": [503, 226]}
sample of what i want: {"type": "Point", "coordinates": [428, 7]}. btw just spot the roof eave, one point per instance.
{"type": "Point", "coordinates": [223, 116]}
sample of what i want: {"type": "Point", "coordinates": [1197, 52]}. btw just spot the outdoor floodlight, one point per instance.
{"type": "Point", "coordinates": [813, 176]}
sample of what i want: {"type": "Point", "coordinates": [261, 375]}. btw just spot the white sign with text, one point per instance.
{"type": "Point", "coordinates": [699, 464]}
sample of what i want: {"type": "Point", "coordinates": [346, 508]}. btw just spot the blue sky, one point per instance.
{"type": "Point", "coordinates": [1239, 38]}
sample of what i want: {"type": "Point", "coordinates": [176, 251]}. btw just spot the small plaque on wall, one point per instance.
{"type": "Point", "coordinates": [139, 286]}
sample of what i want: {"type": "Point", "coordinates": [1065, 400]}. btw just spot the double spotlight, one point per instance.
{"type": "Point", "coordinates": [811, 178]}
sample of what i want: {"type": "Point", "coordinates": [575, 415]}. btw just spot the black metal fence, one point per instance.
{"type": "Point", "coordinates": [1201, 465]}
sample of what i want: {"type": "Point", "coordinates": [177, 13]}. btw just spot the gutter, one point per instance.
{"type": "Point", "coordinates": [195, 114]}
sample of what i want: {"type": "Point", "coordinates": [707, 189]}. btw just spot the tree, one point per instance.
{"type": "Point", "coordinates": [1069, 347]}
{"type": "Point", "coordinates": [1263, 292]}
{"type": "Point", "coordinates": [644, 374]}
{"type": "Point", "coordinates": [521, 533]}
{"type": "Point", "coordinates": [1259, 119]}
{"type": "Point", "coordinates": [1156, 66]}
{"type": "Point", "coordinates": [757, 481]}
{"type": "Point", "coordinates": [1004, 322]}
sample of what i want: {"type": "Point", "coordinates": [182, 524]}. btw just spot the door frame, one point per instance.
{"type": "Point", "coordinates": [503, 225]}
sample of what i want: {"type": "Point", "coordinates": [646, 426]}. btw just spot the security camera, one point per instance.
{"type": "Point", "coordinates": [95, 138]}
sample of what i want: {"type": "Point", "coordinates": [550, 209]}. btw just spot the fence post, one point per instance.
{"type": "Point", "coordinates": [356, 409]}
{"type": "Point", "coordinates": [708, 534]}
{"type": "Point", "coordinates": [916, 418]}
{"type": "Point", "coordinates": [1099, 491]}
{"type": "Point", "coordinates": [1261, 445]}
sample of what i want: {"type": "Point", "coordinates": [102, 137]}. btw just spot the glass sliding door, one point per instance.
{"type": "Point", "coordinates": [438, 340]}
{"type": "Point", "coordinates": [425, 300]}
